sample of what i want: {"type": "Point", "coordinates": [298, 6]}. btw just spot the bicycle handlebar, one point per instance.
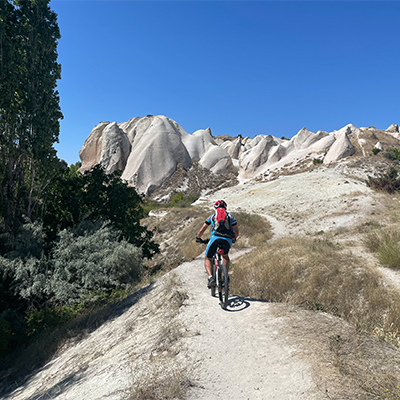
{"type": "Point", "coordinates": [199, 240]}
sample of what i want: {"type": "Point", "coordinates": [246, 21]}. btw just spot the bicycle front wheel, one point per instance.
{"type": "Point", "coordinates": [223, 285]}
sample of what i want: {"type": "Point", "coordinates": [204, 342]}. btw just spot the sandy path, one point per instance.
{"type": "Point", "coordinates": [239, 353]}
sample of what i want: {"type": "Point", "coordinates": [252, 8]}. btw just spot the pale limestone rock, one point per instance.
{"type": "Point", "coordinates": [115, 148]}
{"type": "Point", "coordinates": [341, 148]}
{"type": "Point", "coordinates": [157, 149]}
{"type": "Point", "coordinates": [323, 144]}
{"type": "Point", "coordinates": [349, 130]}
{"type": "Point", "coordinates": [217, 160]}
{"type": "Point", "coordinates": [394, 131]}
{"type": "Point", "coordinates": [91, 149]}
{"type": "Point", "coordinates": [393, 128]}
{"type": "Point", "coordinates": [198, 143]}
{"type": "Point", "coordinates": [305, 138]}
{"type": "Point", "coordinates": [257, 156]}
{"type": "Point", "coordinates": [236, 148]}
{"type": "Point", "coordinates": [378, 146]}
{"type": "Point", "coordinates": [148, 149]}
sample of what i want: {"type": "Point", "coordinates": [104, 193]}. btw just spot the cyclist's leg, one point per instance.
{"type": "Point", "coordinates": [210, 251]}
{"type": "Point", "coordinates": [208, 265]}
{"type": "Point", "coordinates": [226, 261]}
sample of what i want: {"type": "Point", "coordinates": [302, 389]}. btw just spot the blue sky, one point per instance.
{"type": "Point", "coordinates": [262, 67]}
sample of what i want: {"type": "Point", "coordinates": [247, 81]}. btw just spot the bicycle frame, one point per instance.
{"type": "Point", "coordinates": [220, 275]}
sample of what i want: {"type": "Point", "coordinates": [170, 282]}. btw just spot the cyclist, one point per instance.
{"type": "Point", "coordinates": [221, 237]}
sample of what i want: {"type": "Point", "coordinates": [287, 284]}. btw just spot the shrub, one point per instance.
{"type": "Point", "coordinates": [392, 154]}
{"type": "Point", "coordinates": [94, 261]}
{"type": "Point", "coordinates": [317, 161]}
{"type": "Point", "coordinates": [388, 182]}
{"type": "Point", "coordinates": [389, 155]}
{"type": "Point", "coordinates": [375, 151]}
{"type": "Point", "coordinates": [182, 201]}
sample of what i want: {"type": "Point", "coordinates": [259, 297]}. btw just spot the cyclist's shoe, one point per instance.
{"type": "Point", "coordinates": [211, 282]}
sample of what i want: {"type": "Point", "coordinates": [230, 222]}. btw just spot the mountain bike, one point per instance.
{"type": "Point", "coordinates": [221, 278]}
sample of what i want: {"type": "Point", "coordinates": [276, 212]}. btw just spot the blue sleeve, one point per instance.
{"type": "Point", "coordinates": [233, 220]}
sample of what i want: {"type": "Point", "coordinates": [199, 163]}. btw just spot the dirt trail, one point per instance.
{"type": "Point", "coordinates": [240, 352]}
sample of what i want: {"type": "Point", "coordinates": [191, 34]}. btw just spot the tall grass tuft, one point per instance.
{"type": "Point", "coordinates": [386, 244]}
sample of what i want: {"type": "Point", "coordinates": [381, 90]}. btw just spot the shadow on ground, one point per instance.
{"type": "Point", "coordinates": [238, 303]}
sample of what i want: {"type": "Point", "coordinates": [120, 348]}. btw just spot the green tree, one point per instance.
{"type": "Point", "coordinates": [97, 196]}
{"type": "Point", "coordinates": [29, 106]}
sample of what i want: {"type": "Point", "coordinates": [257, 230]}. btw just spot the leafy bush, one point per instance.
{"type": "Point", "coordinates": [375, 151]}
{"type": "Point", "coordinates": [317, 161]}
{"type": "Point", "coordinates": [92, 257]}
{"type": "Point", "coordinates": [388, 182]}
{"type": "Point", "coordinates": [392, 154]}
{"type": "Point", "coordinates": [182, 201]}
{"type": "Point", "coordinates": [94, 261]}
{"type": "Point", "coordinates": [86, 264]}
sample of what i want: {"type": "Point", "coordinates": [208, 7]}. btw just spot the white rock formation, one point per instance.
{"type": "Point", "coordinates": [257, 156]}
{"type": "Point", "coordinates": [393, 128]}
{"type": "Point", "coordinates": [341, 148]}
{"type": "Point", "coordinates": [378, 146]}
{"type": "Point", "coordinates": [394, 131]}
{"type": "Point", "coordinates": [147, 150]}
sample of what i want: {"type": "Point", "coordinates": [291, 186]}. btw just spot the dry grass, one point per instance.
{"type": "Point", "coordinates": [348, 365]}
{"type": "Point", "coordinates": [386, 244]}
{"type": "Point", "coordinates": [318, 275]}
{"type": "Point", "coordinates": [159, 384]}
{"type": "Point", "coordinates": [357, 355]}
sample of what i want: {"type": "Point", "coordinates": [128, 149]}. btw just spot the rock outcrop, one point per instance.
{"type": "Point", "coordinates": [149, 149]}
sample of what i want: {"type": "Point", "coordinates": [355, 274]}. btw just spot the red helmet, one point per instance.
{"type": "Point", "coordinates": [220, 203]}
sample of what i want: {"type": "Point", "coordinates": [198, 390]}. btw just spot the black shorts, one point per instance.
{"type": "Point", "coordinates": [218, 243]}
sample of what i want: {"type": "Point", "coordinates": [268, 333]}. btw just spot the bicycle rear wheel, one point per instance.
{"type": "Point", "coordinates": [223, 285]}
{"type": "Point", "coordinates": [214, 275]}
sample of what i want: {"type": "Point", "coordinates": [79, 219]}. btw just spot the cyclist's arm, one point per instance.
{"type": "Point", "coordinates": [236, 231]}
{"type": "Point", "coordinates": [203, 229]}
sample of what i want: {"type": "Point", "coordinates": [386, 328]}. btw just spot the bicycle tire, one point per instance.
{"type": "Point", "coordinates": [223, 285]}
{"type": "Point", "coordinates": [214, 275]}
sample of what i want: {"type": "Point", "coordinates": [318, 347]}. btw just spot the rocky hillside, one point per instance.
{"type": "Point", "coordinates": [158, 157]}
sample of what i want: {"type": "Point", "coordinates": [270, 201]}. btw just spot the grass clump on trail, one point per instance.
{"type": "Point", "coordinates": [385, 243]}
{"type": "Point", "coordinates": [316, 274]}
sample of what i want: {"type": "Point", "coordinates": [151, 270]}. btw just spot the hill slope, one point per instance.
{"type": "Point", "coordinates": [172, 340]}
